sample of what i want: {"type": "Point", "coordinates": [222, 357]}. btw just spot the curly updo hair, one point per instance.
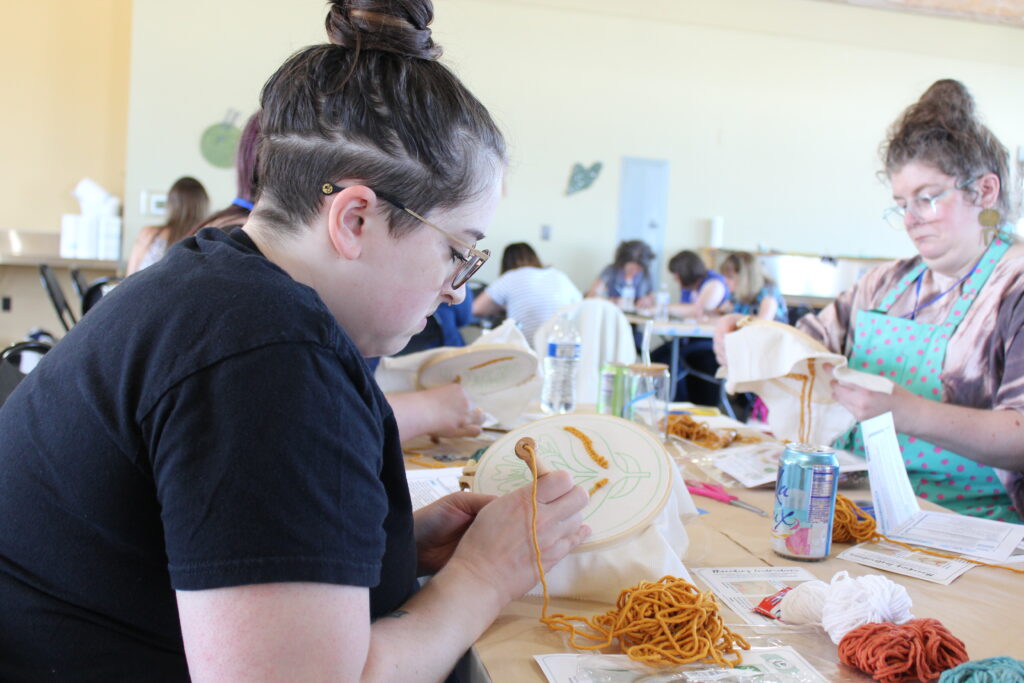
{"type": "Point", "coordinates": [373, 104]}
{"type": "Point", "coordinates": [942, 129]}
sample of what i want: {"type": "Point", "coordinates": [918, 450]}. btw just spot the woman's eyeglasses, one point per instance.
{"type": "Point", "coordinates": [469, 263]}
{"type": "Point", "coordinates": [922, 207]}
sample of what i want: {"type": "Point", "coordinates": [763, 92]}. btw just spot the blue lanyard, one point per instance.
{"type": "Point", "coordinates": [917, 291]}
{"type": "Point", "coordinates": [244, 203]}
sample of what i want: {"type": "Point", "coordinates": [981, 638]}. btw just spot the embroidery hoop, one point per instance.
{"type": "Point", "coordinates": [482, 368]}
{"type": "Point", "coordinates": [639, 472]}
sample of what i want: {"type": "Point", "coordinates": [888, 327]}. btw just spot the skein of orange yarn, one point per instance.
{"type": "Point", "coordinates": [920, 649]}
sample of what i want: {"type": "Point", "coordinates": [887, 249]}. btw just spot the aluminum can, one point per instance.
{"type": "Point", "coordinates": [805, 502]}
{"type": "Point", "coordinates": [613, 389]}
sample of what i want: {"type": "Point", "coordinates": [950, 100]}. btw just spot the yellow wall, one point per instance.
{"type": "Point", "coordinates": [769, 111]}
{"type": "Point", "coordinates": [65, 105]}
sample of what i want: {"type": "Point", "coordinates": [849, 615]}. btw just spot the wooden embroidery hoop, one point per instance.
{"type": "Point", "coordinates": [640, 470]}
{"type": "Point", "coordinates": [482, 368]}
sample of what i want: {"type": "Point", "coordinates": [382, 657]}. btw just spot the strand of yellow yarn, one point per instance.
{"type": "Point", "coordinates": [852, 524]}
{"type": "Point", "coordinates": [588, 445]}
{"type": "Point", "coordinates": [666, 622]}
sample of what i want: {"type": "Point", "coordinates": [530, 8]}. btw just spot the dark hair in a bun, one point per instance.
{"type": "Point", "coordinates": [372, 105]}
{"type": "Point", "coordinates": [942, 129]}
{"type": "Point", "coordinates": [386, 25]}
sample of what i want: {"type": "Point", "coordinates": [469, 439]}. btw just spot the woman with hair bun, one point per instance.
{"type": "Point", "coordinates": [226, 497]}
{"type": "Point", "coordinates": [947, 326]}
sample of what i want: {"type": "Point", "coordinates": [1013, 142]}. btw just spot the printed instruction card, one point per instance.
{"type": "Point", "coordinates": [781, 663]}
{"type": "Point", "coordinates": [900, 517]}
{"type": "Point", "coordinates": [741, 588]}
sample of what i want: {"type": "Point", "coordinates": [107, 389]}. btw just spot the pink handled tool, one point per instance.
{"type": "Point", "coordinates": [717, 492]}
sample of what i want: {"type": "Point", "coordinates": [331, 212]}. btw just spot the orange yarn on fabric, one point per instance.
{"type": "Point", "coordinates": [588, 445]}
{"type": "Point", "coordinates": [852, 524]}
{"type": "Point", "coordinates": [667, 622]}
{"type": "Point", "coordinates": [920, 649]}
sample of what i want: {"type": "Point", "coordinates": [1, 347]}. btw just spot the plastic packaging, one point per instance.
{"type": "Point", "coordinates": [661, 301]}
{"type": "Point", "coordinates": [561, 364]}
{"type": "Point", "coordinates": [627, 298]}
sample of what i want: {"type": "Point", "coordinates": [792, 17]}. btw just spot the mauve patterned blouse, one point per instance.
{"type": "Point", "coordinates": [984, 366]}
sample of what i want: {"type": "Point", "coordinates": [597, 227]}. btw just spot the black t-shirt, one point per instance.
{"type": "Point", "coordinates": [207, 424]}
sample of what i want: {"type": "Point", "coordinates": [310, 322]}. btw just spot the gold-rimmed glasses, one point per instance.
{"type": "Point", "coordinates": [470, 262]}
{"type": "Point", "coordinates": [923, 207]}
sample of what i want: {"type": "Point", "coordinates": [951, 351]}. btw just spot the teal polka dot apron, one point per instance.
{"type": "Point", "coordinates": [912, 354]}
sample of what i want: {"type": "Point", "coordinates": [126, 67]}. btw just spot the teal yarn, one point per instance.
{"type": "Point", "coordinates": [991, 670]}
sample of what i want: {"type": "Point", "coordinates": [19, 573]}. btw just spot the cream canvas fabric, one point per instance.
{"type": "Point", "coordinates": [655, 551]}
{"type": "Point", "coordinates": [400, 374]}
{"type": "Point", "coordinates": [784, 367]}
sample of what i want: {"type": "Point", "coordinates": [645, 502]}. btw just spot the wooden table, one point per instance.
{"type": "Point", "coordinates": [983, 607]}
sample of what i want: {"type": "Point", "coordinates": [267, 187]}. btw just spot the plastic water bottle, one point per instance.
{"type": "Point", "coordinates": [661, 301]}
{"type": "Point", "coordinates": [627, 298]}
{"type": "Point", "coordinates": [561, 363]}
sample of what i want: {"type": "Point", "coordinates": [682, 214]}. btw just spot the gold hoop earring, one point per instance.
{"type": "Point", "coordinates": [990, 218]}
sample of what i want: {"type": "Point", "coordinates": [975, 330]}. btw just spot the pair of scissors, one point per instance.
{"type": "Point", "coordinates": [717, 492]}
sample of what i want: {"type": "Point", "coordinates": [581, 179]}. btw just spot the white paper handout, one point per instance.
{"type": "Point", "coordinates": [427, 485]}
{"type": "Point", "coordinates": [758, 464]}
{"type": "Point", "coordinates": [741, 588]}
{"type": "Point", "coordinates": [781, 663]}
{"type": "Point", "coordinates": [900, 517]}
{"type": "Point", "coordinates": [899, 560]}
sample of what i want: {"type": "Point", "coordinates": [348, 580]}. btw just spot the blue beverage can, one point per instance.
{"type": "Point", "coordinates": [805, 502]}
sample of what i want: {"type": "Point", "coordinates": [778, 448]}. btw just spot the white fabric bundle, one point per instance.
{"type": "Point", "coordinates": [846, 603]}
{"type": "Point", "coordinates": [783, 366]}
{"type": "Point", "coordinates": [400, 373]}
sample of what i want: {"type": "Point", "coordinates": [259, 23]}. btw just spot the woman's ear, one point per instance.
{"type": "Point", "coordinates": [347, 212]}
{"type": "Point", "coordinates": [988, 191]}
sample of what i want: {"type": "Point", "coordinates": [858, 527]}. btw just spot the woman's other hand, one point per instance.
{"type": "Point", "coordinates": [723, 326]}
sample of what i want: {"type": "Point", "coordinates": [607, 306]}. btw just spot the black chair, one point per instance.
{"type": "Point", "coordinates": [60, 302]}
{"type": "Point", "coordinates": [96, 291]}
{"type": "Point", "coordinates": [10, 365]}
{"type": "Point", "coordinates": [79, 282]}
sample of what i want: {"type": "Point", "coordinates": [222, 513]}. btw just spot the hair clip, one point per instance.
{"type": "Point", "coordinates": [327, 188]}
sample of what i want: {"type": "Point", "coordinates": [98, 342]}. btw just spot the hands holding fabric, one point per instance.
{"type": "Point", "coordinates": [491, 537]}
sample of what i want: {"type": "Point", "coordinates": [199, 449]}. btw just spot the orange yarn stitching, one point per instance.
{"type": "Point", "coordinates": [598, 486]}
{"type": "Point", "coordinates": [669, 621]}
{"type": "Point", "coordinates": [853, 524]}
{"type": "Point", "coordinates": [589, 446]}
{"type": "Point", "coordinates": [806, 394]}
{"type": "Point", "coordinates": [491, 362]}
{"type": "Point", "coordinates": [920, 649]}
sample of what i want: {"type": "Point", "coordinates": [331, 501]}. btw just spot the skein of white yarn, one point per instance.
{"type": "Point", "coordinates": [846, 603]}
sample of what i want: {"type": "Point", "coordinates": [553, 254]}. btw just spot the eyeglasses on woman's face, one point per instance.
{"type": "Point", "coordinates": [469, 262]}
{"type": "Point", "coordinates": [923, 207]}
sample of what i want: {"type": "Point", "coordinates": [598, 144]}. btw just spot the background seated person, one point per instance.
{"type": "Point", "coordinates": [702, 290]}
{"type": "Point", "coordinates": [946, 325]}
{"type": "Point", "coordinates": [526, 291]}
{"type": "Point", "coordinates": [187, 203]}
{"type": "Point", "coordinates": [751, 291]}
{"type": "Point", "coordinates": [631, 267]}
